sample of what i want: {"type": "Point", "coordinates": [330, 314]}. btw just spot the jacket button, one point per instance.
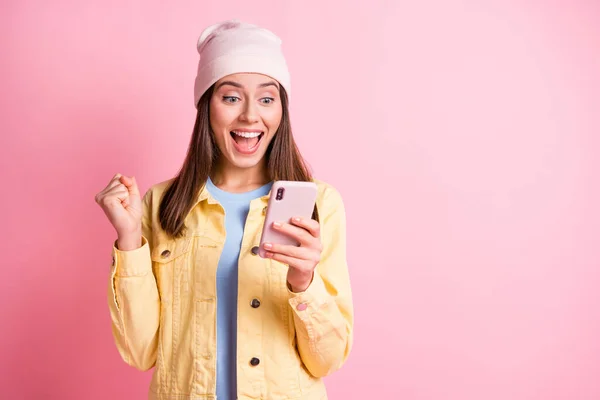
{"type": "Point", "coordinates": [254, 362]}
{"type": "Point", "coordinates": [165, 254]}
{"type": "Point", "coordinates": [254, 250]}
{"type": "Point", "coordinates": [264, 211]}
{"type": "Point", "coordinates": [255, 303]}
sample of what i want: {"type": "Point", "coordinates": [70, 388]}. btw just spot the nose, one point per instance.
{"type": "Point", "coordinates": [249, 113]}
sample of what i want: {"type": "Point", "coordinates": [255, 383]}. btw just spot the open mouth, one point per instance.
{"type": "Point", "coordinates": [246, 142]}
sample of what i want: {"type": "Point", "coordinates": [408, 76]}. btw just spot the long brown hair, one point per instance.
{"type": "Point", "coordinates": [284, 162]}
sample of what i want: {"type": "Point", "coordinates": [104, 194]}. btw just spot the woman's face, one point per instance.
{"type": "Point", "coordinates": [245, 113]}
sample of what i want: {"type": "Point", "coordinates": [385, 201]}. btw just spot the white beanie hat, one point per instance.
{"type": "Point", "coordinates": [235, 47]}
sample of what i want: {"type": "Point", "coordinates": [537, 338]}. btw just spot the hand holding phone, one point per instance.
{"type": "Point", "coordinates": [288, 199]}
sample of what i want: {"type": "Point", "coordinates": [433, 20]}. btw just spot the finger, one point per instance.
{"type": "Point", "coordinates": [302, 253]}
{"type": "Point", "coordinates": [111, 184]}
{"type": "Point", "coordinates": [300, 234]}
{"type": "Point", "coordinates": [120, 192]}
{"type": "Point", "coordinates": [312, 226]}
{"type": "Point", "coordinates": [130, 184]}
{"type": "Point", "coordinates": [107, 192]}
{"type": "Point", "coordinates": [123, 197]}
{"type": "Point", "coordinates": [114, 181]}
{"type": "Point", "coordinates": [292, 262]}
{"type": "Point", "coordinates": [119, 187]}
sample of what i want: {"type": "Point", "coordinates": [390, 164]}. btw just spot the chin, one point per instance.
{"type": "Point", "coordinates": [242, 162]}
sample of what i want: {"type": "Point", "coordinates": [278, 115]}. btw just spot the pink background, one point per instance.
{"type": "Point", "coordinates": [466, 142]}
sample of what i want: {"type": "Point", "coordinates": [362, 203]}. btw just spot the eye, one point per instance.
{"type": "Point", "coordinates": [231, 99]}
{"type": "Point", "coordinates": [267, 100]}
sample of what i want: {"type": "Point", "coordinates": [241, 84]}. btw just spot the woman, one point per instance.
{"type": "Point", "coordinates": [188, 292]}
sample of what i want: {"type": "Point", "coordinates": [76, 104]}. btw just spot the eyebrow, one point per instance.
{"type": "Point", "coordinates": [237, 85]}
{"type": "Point", "coordinates": [269, 84]}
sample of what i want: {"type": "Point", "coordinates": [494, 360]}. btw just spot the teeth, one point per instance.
{"type": "Point", "coordinates": [248, 135]}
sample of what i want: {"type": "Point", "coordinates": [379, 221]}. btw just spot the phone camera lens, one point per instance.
{"type": "Point", "coordinates": [279, 194]}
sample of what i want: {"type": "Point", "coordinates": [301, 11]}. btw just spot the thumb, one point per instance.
{"type": "Point", "coordinates": [131, 185]}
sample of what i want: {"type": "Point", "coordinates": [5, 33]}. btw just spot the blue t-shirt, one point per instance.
{"type": "Point", "coordinates": [236, 207]}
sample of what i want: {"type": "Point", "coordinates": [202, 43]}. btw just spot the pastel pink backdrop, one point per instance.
{"type": "Point", "coordinates": [463, 136]}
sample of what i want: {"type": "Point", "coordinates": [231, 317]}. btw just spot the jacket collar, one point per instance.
{"type": "Point", "coordinates": [206, 196]}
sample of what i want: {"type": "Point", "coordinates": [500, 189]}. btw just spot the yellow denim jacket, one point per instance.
{"type": "Point", "coordinates": [162, 301]}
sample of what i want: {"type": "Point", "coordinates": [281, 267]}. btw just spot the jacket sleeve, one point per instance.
{"type": "Point", "coordinates": [323, 313]}
{"type": "Point", "coordinates": [133, 299]}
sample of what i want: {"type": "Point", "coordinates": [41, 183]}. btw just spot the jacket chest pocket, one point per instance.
{"type": "Point", "coordinates": [171, 265]}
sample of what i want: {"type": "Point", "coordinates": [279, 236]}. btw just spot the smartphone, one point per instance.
{"type": "Point", "coordinates": [288, 199]}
